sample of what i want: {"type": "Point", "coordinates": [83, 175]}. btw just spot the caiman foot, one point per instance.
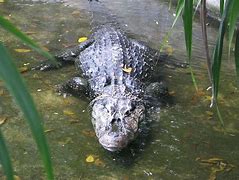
{"type": "Point", "coordinates": [172, 63]}
{"type": "Point", "coordinates": [75, 86]}
{"type": "Point", "coordinates": [46, 66]}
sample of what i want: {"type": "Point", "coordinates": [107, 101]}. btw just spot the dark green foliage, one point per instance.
{"type": "Point", "coordinates": [188, 22]}
{"type": "Point", "coordinates": [178, 10]}
{"type": "Point", "coordinates": [217, 56]}
{"type": "Point", "coordinates": [237, 53]}
{"type": "Point", "coordinates": [229, 18]}
{"type": "Point", "coordinates": [221, 6]}
{"type": "Point", "coordinates": [10, 75]}
{"type": "Point", "coordinates": [9, 27]}
{"type": "Point", "coordinates": [4, 159]}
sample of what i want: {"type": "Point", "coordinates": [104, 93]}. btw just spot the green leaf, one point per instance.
{"type": "Point", "coordinates": [221, 6]}
{"type": "Point", "coordinates": [8, 26]}
{"type": "Point", "coordinates": [16, 86]}
{"type": "Point", "coordinates": [197, 6]}
{"type": "Point", "coordinates": [217, 56]}
{"type": "Point", "coordinates": [187, 23]}
{"type": "Point", "coordinates": [217, 53]}
{"type": "Point", "coordinates": [179, 9]}
{"type": "Point", "coordinates": [4, 159]}
{"type": "Point", "coordinates": [237, 54]}
{"type": "Point", "coordinates": [233, 13]}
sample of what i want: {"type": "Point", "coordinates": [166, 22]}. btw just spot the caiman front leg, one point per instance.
{"type": "Point", "coordinates": [74, 86]}
{"type": "Point", "coordinates": [65, 57]}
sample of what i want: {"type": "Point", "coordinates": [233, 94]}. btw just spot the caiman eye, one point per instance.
{"type": "Point", "coordinates": [127, 113]}
{"type": "Point", "coordinates": [133, 107]}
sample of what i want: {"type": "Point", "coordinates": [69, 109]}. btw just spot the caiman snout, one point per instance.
{"type": "Point", "coordinates": [116, 120]}
{"type": "Point", "coordinates": [117, 136]}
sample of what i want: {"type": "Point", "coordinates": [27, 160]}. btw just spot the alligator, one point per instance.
{"type": "Point", "coordinates": [113, 70]}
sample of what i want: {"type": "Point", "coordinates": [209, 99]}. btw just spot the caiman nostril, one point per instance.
{"type": "Point", "coordinates": [115, 124]}
{"type": "Point", "coordinates": [115, 120]}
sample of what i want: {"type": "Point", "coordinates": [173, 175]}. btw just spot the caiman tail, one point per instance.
{"type": "Point", "coordinates": [101, 15]}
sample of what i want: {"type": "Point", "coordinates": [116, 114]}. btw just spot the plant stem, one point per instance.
{"type": "Point", "coordinates": [203, 14]}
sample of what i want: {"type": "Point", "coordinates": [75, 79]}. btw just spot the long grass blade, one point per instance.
{"type": "Point", "coordinates": [8, 26]}
{"type": "Point", "coordinates": [221, 6]}
{"type": "Point", "coordinates": [170, 5]}
{"type": "Point", "coordinates": [217, 56]}
{"type": "Point", "coordinates": [16, 86]}
{"type": "Point", "coordinates": [197, 6]}
{"type": "Point", "coordinates": [5, 159]}
{"type": "Point", "coordinates": [237, 54]}
{"type": "Point", "coordinates": [233, 13]}
{"type": "Point", "coordinates": [217, 53]}
{"type": "Point", "coordinates": [179, 9]}
{"type": "Point", "coordinates": [187, 23]}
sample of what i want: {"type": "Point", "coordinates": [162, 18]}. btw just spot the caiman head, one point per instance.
{"type": "Point", "coordinates": [116, 119]}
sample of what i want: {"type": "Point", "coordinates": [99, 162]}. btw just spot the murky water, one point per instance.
{"type": "Point", "coordinates": [181, 137]}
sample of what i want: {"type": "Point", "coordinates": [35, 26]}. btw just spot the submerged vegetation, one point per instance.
{"type": "Point", "coordinates": [13, 81]}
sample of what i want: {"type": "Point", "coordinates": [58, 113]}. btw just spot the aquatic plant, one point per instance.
{"type": "Point", "coordinates": [13, 81]}
{"type": "Point", "coordinates": [229, 15]}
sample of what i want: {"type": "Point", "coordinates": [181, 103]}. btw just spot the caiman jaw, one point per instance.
{"type": "Point", "coordinates": [115, 144]}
